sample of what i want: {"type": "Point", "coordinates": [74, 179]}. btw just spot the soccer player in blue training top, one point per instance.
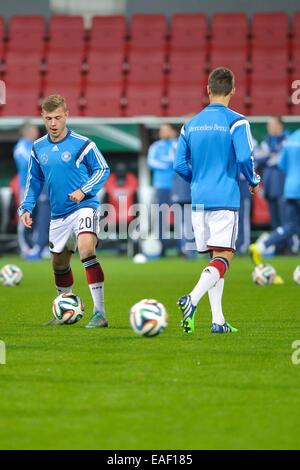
{"type": "Point", "coordinates": [214, 146]}
{"type": "Point", "coordinates": [74, 170]}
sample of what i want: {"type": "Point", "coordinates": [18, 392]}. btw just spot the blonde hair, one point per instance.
{"type": "Point", "coordinates": [53, 102]}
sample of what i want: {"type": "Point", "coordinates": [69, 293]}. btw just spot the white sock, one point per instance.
{"type": "Point", "coordinates": [215, 298]}
{"type": "Point", "coordinates": [97, 292]}
{"type": "Point", "coordinates": [63, 290]}
{"type": "Point", "coordinates": [209, 277]}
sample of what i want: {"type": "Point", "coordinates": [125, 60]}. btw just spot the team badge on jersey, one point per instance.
{"type": "Point", "coordinates": [66, 156]}
{"type": "Point", "coordinates": [44, 159]}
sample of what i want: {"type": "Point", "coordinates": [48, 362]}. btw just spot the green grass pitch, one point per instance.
{"type": "Point", "coordinates": [68, 387]}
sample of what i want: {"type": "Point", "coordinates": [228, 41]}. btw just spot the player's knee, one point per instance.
{"type": "Point", "coordinates": [86, 252]}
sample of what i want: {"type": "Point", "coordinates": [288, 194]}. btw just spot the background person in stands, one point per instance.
{"type": "Point", "coordinates": [273, 177]}
{"type": "Point", "coordinates": [160, 161]}
{"type": "Point", "coordinates": [31, 242]}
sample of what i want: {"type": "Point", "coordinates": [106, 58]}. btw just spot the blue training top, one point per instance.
{"type": "Point", "coordinates": [290, 164]}
{"type": "Point", "coordinates": [214, 146]}
{"type": "Point", "coordinates": [69, 164]}
{"type": "Point", "coordinates": [160, 160]}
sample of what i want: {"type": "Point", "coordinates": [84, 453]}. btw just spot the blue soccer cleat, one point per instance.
{"type": "Point", "coordinates": [188, 311]}
{"type": "Point", "coordinates": [226, 328]}
{"type": "Point", "coordinates": [98, 320]}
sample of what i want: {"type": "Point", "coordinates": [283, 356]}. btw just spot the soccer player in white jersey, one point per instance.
{"type": "Point", "coordinates": [214, 146]}
{"type": "Point", "coordinates": [74, 171]}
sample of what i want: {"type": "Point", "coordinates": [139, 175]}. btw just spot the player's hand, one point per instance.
{"type": "Point", "coordinates": [76, 196]}
{"type": "Point", "coordinates": [253, 189]}
{"type": "Point", "coordinates": [26, 219]}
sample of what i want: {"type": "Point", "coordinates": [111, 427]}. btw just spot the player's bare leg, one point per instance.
{"type": "Point", "coordinates": [63, 275]}
{"type": "Point", "coordinates": [87, 243]}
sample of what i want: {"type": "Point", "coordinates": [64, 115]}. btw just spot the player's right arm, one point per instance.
{"type": "Point", "coordinates": [34, 186]}
{"type": "Point", "coordinates": [155, 162]}
{"type": "Point", "coordinates": [182, 158]}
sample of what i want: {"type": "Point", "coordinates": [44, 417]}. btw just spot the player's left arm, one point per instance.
{"type": "Point", "coordinates": [243, 146]}
{"type": "Point", "coordinates": [100, 172]}
{"type": "Point", "coordinates": [182, 158]}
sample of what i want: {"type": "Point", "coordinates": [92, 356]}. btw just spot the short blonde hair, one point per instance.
{"type": "Point", "coordinates": [53, 102]}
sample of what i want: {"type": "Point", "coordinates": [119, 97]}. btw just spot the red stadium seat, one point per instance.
{"type": "Point", "coordinates": [269, 65]}
{"type": "Point", "coordinates": [229, 30]}
{"type": "Point", "coordinates": [187, 65]}
{"type": "Point", "coordinates": [105, 66]}
{"type": "Point", "coordinates": [239, 100]}
{"type": "Point", "coordinates": [269, 98]}
{"type": "Point", "coordinates": [70, 92]}
{"type": "Point", "coordinates": [148, 31]}
{"type": "Point", "coordinates": [63, 67]}
{"type": "Point", "coordinates": [146, 67]}
{"type": "Point", "coordinates": [236, 62]}
{"type": "Point", "coordinates": [26, 33]}
{"type": "Point", "coordinates": [296, 39]}
{"type": "Point", "coordinates": [189, 30]}
{"type": "Point", "coordinates": [21, 101]}
{"type": "Point", "coordinates": [270, 30]}
{"type": "Point", "coordinates": [23, 68]}
{"type": "Point", "coordinates": [103, 101]}
{"type": "Point", "coordinates": [144, 100]}
{"type": "Point", "coordinates": [185, 99]}
{"type": "Point", "coordinates": [108, 32]}
{"type": "Point", "coordinates": [67, 33]}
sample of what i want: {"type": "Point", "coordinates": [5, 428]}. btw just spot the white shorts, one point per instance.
{"type": "Point", "coordinates": [215, 230]}
{"type": "Point", "coordinates": [65, 230]}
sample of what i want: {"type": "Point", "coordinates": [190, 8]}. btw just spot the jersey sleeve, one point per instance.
{"type": "Point", "coordinates": [20, 160]}
{"type": "Point", "coordinates": [182, 159]}
{"type": "Point", "coordinates": [243, 146]}
{"type": "Point", "coordinates": [34, 185]}
{"type": "Point", "coordinates": [99, 168]}
{"type": "Point", "coordinates": [156, 160]}
{"type": "Point", "coordinates": [283, 160]}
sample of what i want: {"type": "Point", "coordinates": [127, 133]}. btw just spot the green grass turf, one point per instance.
{"type": "Point", "coordinates": [67, 387]}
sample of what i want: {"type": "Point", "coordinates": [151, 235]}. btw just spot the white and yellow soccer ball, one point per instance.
{"type": "Point", "coordinates": [68, 308]}
{"type": "Point", "coordinates": [264, 274]}
{"type": "Point", "coordinates": [296, 275]}
{"type": "Point", "coordinates": [11, 275]}
{"type": "Point", "coordinates": [148, 317]}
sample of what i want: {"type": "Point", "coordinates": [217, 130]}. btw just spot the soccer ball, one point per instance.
{"type": "Point", "coordinates": [148, 317]}
{"type": "Point", "coordinates": [264, 274]}
{"type": "Point", "coordinates": [68, 308]}
{"type": "Point", "coordinates": [296, 275]}
{"type": "Point", "coordinates": [11, 275]}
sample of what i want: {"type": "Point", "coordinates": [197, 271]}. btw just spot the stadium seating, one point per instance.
{"type": "Point", "coordinates": [26, 33]}
{"type": "Point", "coordinates": [188, 31]}
{"type": "Point", "coordinates": [105, 66]}
{"type": "Point", "coordinates": [21, 100]}
{"type": "Point", "coordinates": [148, 31]}
{"type": "Point", "coordinates": [144, 99]}
{"type": "Point", "coordinates": [23, 68]}
{"type": "Point", "coordinates": [108, 33]}
{"type": "Point", "coordinates": [185, 99]}
{"type": "Point", "coordinates": [269, 98]}
{"type": "Point", "coordinates": [63, 67]}
{"type": "Point", "coordinates": [66, 33]}
{"type": "Point", "coordinates": [148, 58]}
{"type": "Point", "coordinates": [103, 101]}
{"type": "Point", "coordinates": [270, 30]}
{"type": "Point", "coordinates": [71, 92]}
{"type": "Point", "coordinates": [229, 30]}
{"type": "Point", "coordinates": [145, 67]}
{"type": "Point", "coordinates": [187, 65]}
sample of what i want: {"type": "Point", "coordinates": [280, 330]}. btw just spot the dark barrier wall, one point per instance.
{"type": "Point", "coordinates": [209, 7]}
{"type": "Point", "coordinates": [28, 7]}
